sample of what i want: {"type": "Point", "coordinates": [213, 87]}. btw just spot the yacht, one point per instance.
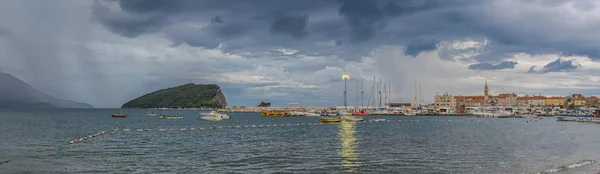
{"type": "Point", "coordinates": [343, 113]}
{"type": "Point", "coordinates": [214, 116]}
{"type": "Point", "coordinates": [311, 114]}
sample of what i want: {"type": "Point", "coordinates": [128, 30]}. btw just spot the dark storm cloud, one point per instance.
{"type": "Point", "coordinates": [249, 26]}
{"type": "Point", "coordinates": [489, 66]}
{"type": "Point", "coordinates": [416, 47]}
{"type": "Point", "coordinates": [294, 26]}
{"type": "Point", "coordinates": [216, 19]}
{"type": "Point", "coordinates": [558, 65]}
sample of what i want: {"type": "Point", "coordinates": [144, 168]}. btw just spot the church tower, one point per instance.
{"type": "Point", "coordinates": [485, 91]}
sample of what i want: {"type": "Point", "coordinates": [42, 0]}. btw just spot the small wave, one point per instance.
{"type": "Point", "coordinates": [572, 166]}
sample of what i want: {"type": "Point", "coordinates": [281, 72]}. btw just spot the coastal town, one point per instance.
{"type": "Point", "coordinates": [485, 105]}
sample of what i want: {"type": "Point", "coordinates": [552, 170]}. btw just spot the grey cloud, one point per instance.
{"type": "Point", "coordinates": [531, 70]}
{"type": "Point", "coordinates": [365, 23]}
{"type": "Point", "coordinates": [558, 65]}
{"type": "Point", "coordinates": [294, 26]}
{"type": "Point", "coordinates": [4, 32]}
{"type": "Point", "coordinates": [489, 66]}
{"type": "Point", "coordinates": [416, 47]}
{"type": "Point", "coordinates": [216, 19]}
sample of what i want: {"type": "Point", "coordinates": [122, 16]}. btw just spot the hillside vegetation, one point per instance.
{"type": "Point", "coordinates": [184, 96]}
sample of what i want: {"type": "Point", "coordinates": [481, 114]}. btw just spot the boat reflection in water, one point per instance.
{"type": "Point", "coordinates": [349, 149]}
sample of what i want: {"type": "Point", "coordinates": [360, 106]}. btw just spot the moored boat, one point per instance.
{"type": "Point", "coordinates": [214, 116]}
{"type": "Point", "coordinates": [330, 119]}
{"type": "Point", "coordinates": [297, 113]}
{"type": "Point", "coordinates": [171, 116]}
{"type": "Point", "coordinates": [409, 114]}
{"type": "Point", "coordinates": [377, 120]}
{"type": "Point", "coordinates": [274, 113]}
{"type": "Point", "coordinates": [361, 113]}
{"type": "Point", "coordinates": [310, 114]}
{"type": "Point", "coordinates": [353, 118]}
{"type": "Point", "coordinates": [343, 113]}
{"type": "Point", "coordinates": [119, 115]}
{"type": "Point", "coordinates": [151, 114]}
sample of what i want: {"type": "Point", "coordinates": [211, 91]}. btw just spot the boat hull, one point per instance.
{"type": "Point", "coordinates": [118, 116]}
{"type": "Point", "coordinates": [359, 114]}
{"type": "Point", "coordinates": [170, 117]}
{"type": "Point", "coordinates": [330, 120]}
{"type": "Point", "coordinates": [274, 114]}
{"type": "Point", "coordinates": [353, 119]}
{"type": "Point", "coordinates": [210, 118]}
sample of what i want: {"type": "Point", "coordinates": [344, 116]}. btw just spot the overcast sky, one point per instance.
{"type": "Point", "coordinates": [107, 52]}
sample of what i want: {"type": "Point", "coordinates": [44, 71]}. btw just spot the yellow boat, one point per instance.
{"type": "Point", "coordinates": [274, 113]}
{"type": "Point", "coordinates": [331, 119]}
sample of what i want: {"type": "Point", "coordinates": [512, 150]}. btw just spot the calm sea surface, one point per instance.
{"type": "Point", "coordinates": [404, 145]}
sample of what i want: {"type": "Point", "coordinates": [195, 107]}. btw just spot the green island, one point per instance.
{"type": "Point", "coordinates": [184, 96]}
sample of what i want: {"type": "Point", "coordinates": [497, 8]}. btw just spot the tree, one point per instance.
{"type": "Point", "coordinates": [264, 104]}
{"type": "Point", "coordinates": [568, 100]}
{"type": "Point", "coordinates": [463, 108]}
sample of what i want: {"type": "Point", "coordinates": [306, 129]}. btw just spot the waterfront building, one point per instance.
{"type": "Point", "coordinates": [554, 101]}
{"type": "Point", "coordinates": [507, 100]}
{"type": "Point", "coordinates": [537, 100]}
{"type": "Point", "coordinates": [445, 101]}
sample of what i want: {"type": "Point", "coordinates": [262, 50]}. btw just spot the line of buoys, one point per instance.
{"type": "Point", "coordinates": [87, 137]}
{"type": "Point", "coordinates": [289, 124]}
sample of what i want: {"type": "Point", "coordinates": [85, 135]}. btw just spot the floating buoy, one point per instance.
{"type": "Point", "coordinates": [48, 148]}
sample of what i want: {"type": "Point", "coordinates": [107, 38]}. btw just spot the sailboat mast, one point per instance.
{"type": "Point", "coordinates": [390, 93]}
{"type": "Point", "coordinates": [362, 94]}
{"type": "Point", "coordinates": [415, 98]}
{"type": "Point", "coordinates": [379, 93]}
{"type": "Point", "coordinates": [373, 93]}
{"type": "Point", "coordinates": [421, 92]}
{"type": "Point", "coordinates": [356, 93]}
{"type": "Point", "coordinates": [385, 94]}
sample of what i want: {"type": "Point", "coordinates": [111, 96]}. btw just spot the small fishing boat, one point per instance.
{"type": "Point", "coordinates": [171, 116]}
{"type": "Point", "coordinates": [377, 120]}
{"type": "Point", "coordinates": [353, 119]}
{"type": "Point", "coordinates": [151, 114]}
{"type": "Point", "coordinates": [330, 119]}
{"type": "Point", "coordinates": [118, 115]}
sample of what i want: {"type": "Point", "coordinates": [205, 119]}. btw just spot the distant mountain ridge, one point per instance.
{"type": "Point", "coordinates": [15, 93]}
{"type": "Point", "coordinates": [184, 96]}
